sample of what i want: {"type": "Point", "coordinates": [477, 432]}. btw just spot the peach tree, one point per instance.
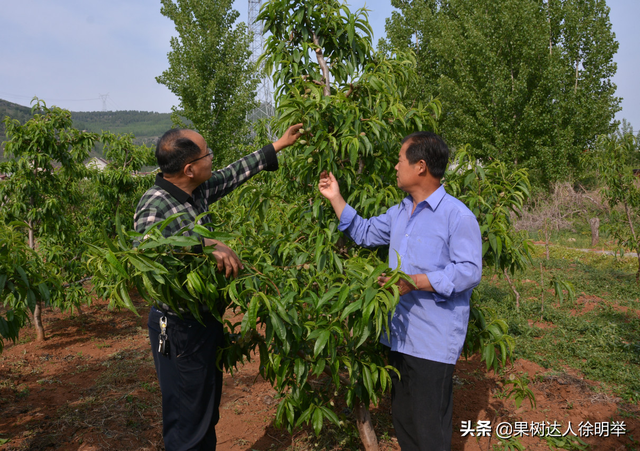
{"type": "Point", "coordinates": [45, 160]}
{"type": "Point", "coordinates": [308, 299]}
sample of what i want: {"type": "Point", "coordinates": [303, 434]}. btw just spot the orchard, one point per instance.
{"type": "Point", "coordinates": [308, 299]}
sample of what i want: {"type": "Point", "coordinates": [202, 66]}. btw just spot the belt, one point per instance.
{"type": "Point", "coordinates": [185, 313]}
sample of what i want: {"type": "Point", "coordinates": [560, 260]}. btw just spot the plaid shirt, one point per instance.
{"type": "Point", "coordinates": [165, 199]}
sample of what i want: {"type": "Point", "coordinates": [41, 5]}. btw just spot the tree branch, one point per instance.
{"type": "Point", "coordinates": [323, 65]}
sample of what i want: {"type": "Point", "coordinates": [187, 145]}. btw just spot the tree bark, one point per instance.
{"type": "Point", "coordinates": [594, 223]}
{"type": "Point", "coordinates": [365, 427]}
{"type": "Point", "coordinates": [37, 321]}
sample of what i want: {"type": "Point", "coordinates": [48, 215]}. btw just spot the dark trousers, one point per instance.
{"type": "Point", "coordinates": [422, 403]}
{"type": "Point", "coordinates": [190, 382]}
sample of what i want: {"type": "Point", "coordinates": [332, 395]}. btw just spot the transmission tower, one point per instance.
{"type": "Point", "coordinates": [104, 98]}
{"type": "Point", "coordinates": [263, 92]}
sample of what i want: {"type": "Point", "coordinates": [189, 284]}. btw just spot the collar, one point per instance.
{"type": "Point", "coordinates": [432, 201]}
{"type": "Point", "coordinates": [172, 189]}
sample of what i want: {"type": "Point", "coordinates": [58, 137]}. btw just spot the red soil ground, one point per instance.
{"type": "Point", "coordinates": [91, 386]}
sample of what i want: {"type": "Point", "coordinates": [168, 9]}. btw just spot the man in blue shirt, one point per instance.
{"type": "Point", "coordinates": [440, 247]}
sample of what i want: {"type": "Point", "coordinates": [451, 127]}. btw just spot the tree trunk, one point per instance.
{"type": "Point", "coordinates": [541, 292]}
{"type": "Point", "coordinates": [594, 223]}
{"type": "Point", "coordinates": [546, 238]}
{"type": "Point", "coordinates": [37, 321]}
{"type": "Point", "coordinates": [37, 313]}
{"type": "Point", "coordinates": [323, 66]}
{"type": "Point", "coordinates": [513, 288]}
{"type": "Point", "coordinates": [365, 427]}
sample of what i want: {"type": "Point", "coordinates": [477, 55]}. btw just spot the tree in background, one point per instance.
{"type": "Point", "coordinates": [25, 280]}
{"type": "Point", "coordinates": [45, 160]}
{"type": "Point", "coordinates": [526, 82]}
{"type": "Point", "coordinates": [210, 72]}
{"type": "Point", "coordinates": [119, 186]}
{"type": "Point", "coordinates": [615, 157]}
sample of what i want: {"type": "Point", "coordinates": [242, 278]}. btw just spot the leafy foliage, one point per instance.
{"type": "Point", "coordinates": [522, 81]}
{"type": "Point", "coordinates": [25, 279]}
{"type": "Point", "coordinates": [520, 390]}
{"type": "Point", "coordinates": [46, 163]}
{"type": "Point", "coordinates": [309, 301]}
{"type": "Point", "coordinates": [119, 186]}
{"type": "Point", "coordinates": [613, 159]}
{"type": "Point", "coordinates": [494, 194]}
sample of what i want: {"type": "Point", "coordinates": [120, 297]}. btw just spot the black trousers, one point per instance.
{"type": "Point", "coordinates": [190, 382]}
{"type": "Point", "coordinates": [422, 403]}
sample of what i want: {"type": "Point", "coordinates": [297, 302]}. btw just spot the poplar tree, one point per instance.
{"type": "Point", "coordinates": [211, 73]}
{"type": "Point", "coordinates": [527, 82]}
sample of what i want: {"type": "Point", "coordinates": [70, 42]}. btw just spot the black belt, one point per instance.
{"type": "Point", "coordinates": [164, 308]}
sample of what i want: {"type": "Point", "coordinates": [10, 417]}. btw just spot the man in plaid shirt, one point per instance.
{"type": "Point", "coordinates": [190, 382]}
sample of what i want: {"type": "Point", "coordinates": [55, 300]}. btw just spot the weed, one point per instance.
{"type": "Point", "coordinates": [509, 444]}
{"type": "Point", "coordinates": [597, 335]}
{"type": "Point", "coordinates": [23, 391]}
{"type": "Point", "coordinates": [151, 388]}
{"type": "Point", "coordinates": [567, 442]}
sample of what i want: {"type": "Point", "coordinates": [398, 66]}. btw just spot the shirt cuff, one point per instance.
{"type": "Point", "coordinates": [271, 159]}
{"type": "Point", "coordinates": [346, 218]}
{"type": "Point", "coordinates": [442, 286]}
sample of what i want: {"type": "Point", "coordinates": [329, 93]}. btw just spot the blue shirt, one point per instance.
{"type": "Point", "coordinates": [442, 240]}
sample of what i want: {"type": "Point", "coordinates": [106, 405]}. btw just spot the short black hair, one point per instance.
{"type": "Point", "coordinates": [429, 147]}
{"type": "Point", "coordinates": [174, 150]}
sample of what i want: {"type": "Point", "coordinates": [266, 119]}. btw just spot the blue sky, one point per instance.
{"type": "Point", "coordinates": [73, 53]}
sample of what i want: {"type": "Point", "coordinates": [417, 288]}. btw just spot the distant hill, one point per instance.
{"type": "Point", "coordinates": [147, 127]}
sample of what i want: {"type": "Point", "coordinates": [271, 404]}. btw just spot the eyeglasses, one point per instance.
{"type": "Point", "coordinates": [209, 154]}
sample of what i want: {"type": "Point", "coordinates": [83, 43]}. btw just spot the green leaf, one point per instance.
{"type": "Point", "coordinates": [278, 325]}
{"type": "Point", "coordinates": [111, 258]}
{"type": "Point", "coordinates": [350, 309]}
{"type": "Point", "coordinates": [317, 420]}
{"type": "Point", "coordinates": [321, 342]}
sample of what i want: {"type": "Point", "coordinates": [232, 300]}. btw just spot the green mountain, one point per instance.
{"type": "Point", "coordinates": [147, 127]}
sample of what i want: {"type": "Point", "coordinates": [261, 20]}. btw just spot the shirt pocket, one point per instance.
{"type": "Point", "coordinates": [426, 253]}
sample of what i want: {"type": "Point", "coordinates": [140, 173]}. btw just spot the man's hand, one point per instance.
{"type": "Point", "coordinates": [227, 260]}
{"type": "Point", "coordinates": [328, 186]}
{"type": "Point", "coordinates": [420, 282]}
{"type": "Point", "coordinates": [330, 189]}
{"type": "Point", "coordinates": [290, 136]}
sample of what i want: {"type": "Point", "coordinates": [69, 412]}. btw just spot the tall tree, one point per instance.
{"type": "Point", "coordinates": [310, 302]}
{"type": "Point", "coordinates": [210, 72]}
{"type": "Point", "coordinates": [527, 82]}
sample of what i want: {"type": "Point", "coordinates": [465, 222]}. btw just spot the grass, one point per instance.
{"type": "Point", "coordinates": [597, 334]}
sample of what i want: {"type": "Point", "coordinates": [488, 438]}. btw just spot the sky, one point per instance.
{"type": "Point", "coordinates": [88, 55]}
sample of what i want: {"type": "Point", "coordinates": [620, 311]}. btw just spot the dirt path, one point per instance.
{"type": "Point", "coordinates": [92, 386]}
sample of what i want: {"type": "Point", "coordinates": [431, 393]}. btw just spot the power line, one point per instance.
{"type": "Point", "coordinates": [49, 98]}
